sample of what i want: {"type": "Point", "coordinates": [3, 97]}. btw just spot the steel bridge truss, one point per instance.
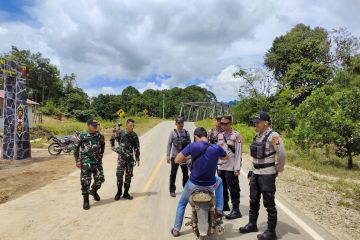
{"type": "Point", "coordinates": [194, 111]}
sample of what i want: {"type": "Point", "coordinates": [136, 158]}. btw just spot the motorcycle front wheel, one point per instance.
{"type": "Point", "coordinates": [54, 149]}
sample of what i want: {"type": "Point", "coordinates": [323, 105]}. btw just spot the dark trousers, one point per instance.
{"type": "Point", "coordinates": [263, 185]}
{"type": "Point", "coordinates": [173, 172]}
{"type": "Point", "coordinates": [230, 184]}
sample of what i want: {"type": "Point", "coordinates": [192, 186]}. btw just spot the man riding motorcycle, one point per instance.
{"type": "Point", "coordinates": [205, 158]}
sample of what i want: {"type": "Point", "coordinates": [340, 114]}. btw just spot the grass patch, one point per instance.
{"type": "Point", "coordinates": [69, 126]}
{"type": "Point", "coordinates": [320, 160]}
{"type": "Point", "coordinates": [350, 192]}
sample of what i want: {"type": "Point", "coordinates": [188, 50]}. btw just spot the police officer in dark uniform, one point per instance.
{"type": "Point", "coordinates": [266, 145]}
{"type": "Point", "coordinates": [214, 132]}
{"type": "Point", "coordinates": [179, 138]}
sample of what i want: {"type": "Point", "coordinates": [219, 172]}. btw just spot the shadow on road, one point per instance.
{"type": "Point", "coordinates": [281, 230]}
{"type": "Point", "coordinates": [143, 194]}
{"type": "Point", "coordinates": [111, 200]}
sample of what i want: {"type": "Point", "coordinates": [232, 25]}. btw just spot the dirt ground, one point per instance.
{"type": "Point", "coordinates": [18, 177]}
{"type": "Point", "coordinates": [317, 200]}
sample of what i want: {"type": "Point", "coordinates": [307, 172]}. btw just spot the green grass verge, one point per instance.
{"type": "Point", "coordinates": [68, 127]}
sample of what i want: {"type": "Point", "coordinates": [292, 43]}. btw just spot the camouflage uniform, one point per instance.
{"type": "Point", "coordinates": [128, 145]}
{"type": "Point", "coordinates": [89, 152]}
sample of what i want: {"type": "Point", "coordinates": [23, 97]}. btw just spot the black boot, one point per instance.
{"type": "Point", "coordinates": [95, 195]}
{"type": "Point", "coordinates": [248, 228]}
{"type": "Point", "coordinates": [267, 235]}
{"type": "Point", "coordinates": [119, 193]}
{"type": "Point", "coordinates": [86, 205]}
{"type": "Point", "coordinates": [235, 213]}
{"type": "Point", "coordinates": [127, 195]}
{"type": "Point", "coordinates": [226, 207]}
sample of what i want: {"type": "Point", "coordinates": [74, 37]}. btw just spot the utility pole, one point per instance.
{"type": "Point", "coordinates": [163, 105]}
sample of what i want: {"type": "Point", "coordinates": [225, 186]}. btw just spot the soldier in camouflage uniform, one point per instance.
{"type": "Point", "coordinates": [128, 142]}
{"type": "Point", "coordinates": [89, 151]}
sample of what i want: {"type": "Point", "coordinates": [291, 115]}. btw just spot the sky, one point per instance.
{"type": "Point", "coordinates": [158, 44]}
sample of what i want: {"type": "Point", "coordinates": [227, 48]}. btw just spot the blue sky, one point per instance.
{"type": "Point", "coordinates": [14, 10]}
{"type": "Point", "coordinates": [159, 44]}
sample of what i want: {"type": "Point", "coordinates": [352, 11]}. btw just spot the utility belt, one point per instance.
{"type": "Point", "coordinates": [264, 165]}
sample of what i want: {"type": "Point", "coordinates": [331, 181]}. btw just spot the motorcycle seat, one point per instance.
{"type": "Point", "coordinates": [202, 195]}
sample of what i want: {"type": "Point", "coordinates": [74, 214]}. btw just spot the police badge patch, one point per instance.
{"type": "Point", "coordinates": [275, 140]}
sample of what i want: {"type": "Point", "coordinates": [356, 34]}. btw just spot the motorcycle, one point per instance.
{"type": "Point", "coordinates": [65, 144]}
{"type": "Point", "coordinates": [204, 221]}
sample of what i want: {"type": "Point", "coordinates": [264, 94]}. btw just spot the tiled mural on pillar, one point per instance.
{"type": "Point", "coordinates": [16, 143]}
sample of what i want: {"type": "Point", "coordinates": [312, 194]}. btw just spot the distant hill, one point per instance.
{"type": "Point", "coordinates": [232, 103]}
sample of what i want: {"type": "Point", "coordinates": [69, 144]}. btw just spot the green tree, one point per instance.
{"type": "Point", "coordinates": [76, 99]}
{"type": "Point", "coordinates": [106, 106]}
{"type": "Point", "coordinates": [127, 95]}
{"type": "Point", "coordinates": [331, 116]}
{"type": "Point", "coordinates": [300, 60]}
{"type": "Point", "coordinates": [247, 107]}
{"type": "Point", "coordinates": [43, 77]}
{"type": "Point", "coordinates": [282, 112]}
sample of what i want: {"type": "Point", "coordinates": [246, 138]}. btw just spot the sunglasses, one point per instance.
{"type": "Point", "coordinates": [224, 123]}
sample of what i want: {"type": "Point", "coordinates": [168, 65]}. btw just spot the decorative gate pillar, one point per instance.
{"type": "Point", "coordinates": [16, 142]}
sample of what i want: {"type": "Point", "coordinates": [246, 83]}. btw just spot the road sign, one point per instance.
{"type": "Point", "coordinates": [121, 113]}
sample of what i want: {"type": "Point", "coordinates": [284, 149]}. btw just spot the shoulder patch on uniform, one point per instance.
{"type": "Point", "coordinates": [276, 140]}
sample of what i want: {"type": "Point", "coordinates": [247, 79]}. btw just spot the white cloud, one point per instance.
{"type": "Point", "coordinates": [203, 85]}
{"type": "Point", "coordinates": [154, 86]}
{"type": "Point", "coordinates": [92, 92]}
{"type": "Point", "coordinates": [195, 39]}
{"type": "Point", "coordinates": [224, 85]}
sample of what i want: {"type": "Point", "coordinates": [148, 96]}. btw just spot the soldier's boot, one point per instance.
{"type": "Point", "coordinates": [267, 235]}
{"type": "Point", "coordinates": [95, 194]}
{"type": "Point", "coordinates": [270, 233]}
{"type": "Point", "coordinates": [248, 228]}
{"type": "Point", "coordinates": [235, 213]}
{"type": "Point", "coordinates": [226, 207]}
{"type": "Point", "coordinates": [86, 205]}
{"type": "Point", "coordinates": [251, 226]}
{"type": "Point", "coordinates": [126, 194]}
{"type": "Point", "coordinates": [119, 193]}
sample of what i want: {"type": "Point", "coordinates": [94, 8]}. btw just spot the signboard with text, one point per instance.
{"type": "Point", "coordinates": [10, 68]}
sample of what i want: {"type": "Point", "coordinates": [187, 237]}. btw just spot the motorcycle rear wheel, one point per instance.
{"type": "Point", "coordinates": [54, 149]}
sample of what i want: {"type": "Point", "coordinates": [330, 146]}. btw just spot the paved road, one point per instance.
{"type": "Point", "coordinates": [55, 211]}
